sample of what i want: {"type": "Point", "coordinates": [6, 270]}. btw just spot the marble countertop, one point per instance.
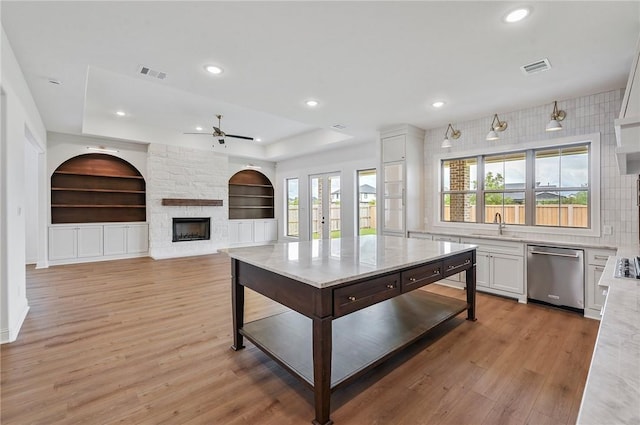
{"type": "Point", "coordinates": [323, 263]}
{"type": "Point", "coordinates": [612, 391]}
{"type": "Point", "coordinates": [508, 237]}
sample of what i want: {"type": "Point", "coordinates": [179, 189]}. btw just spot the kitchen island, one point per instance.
{"type": "Point", "coordinates": [352, 302]}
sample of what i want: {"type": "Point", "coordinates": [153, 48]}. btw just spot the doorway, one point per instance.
{"type": "Point", "coordinates": [325, 206]}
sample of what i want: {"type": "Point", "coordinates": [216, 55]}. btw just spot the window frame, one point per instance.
{"type": "Point", "coordinates": [592, 140]}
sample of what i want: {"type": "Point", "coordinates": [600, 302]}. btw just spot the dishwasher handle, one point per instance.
{"type": "Point", "coordinates": [556, 254]}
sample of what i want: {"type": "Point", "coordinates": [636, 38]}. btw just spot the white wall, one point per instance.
{"type": "Point", "coordinates": [346, 161]}
{"type": "Point", "coordinates": [585, 115]}
{"type": "Point", "coordinates": [31, 203]}
{"type": "Point", "coordinates": [20, 117]}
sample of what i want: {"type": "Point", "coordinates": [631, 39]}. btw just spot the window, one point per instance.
{"type": "Point", "coordinates": [367, 202]}
{"type": "Point", "coordinates": [504, 184]}
{"type": "Point", "coordinates": [459, 189]}
{"type": "Point", "coordinates": [537, 187]}
{"type": "Point", "coordinates": [292, 208]}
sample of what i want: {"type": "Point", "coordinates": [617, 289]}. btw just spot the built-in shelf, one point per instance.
{"type": "Point", "coordinates": [250, 196]}
{"type": "Point", "coordinates": [96, 188]}
{"type": "Point", "coordinates": [178, 202]}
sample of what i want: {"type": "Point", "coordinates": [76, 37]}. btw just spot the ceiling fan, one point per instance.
{"type": "Point", "coordinates": [221, 135]}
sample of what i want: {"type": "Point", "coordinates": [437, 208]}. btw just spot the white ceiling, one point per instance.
{"type": "Point", "coordinates": [369, 64]}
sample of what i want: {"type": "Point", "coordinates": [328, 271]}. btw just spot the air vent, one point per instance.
{"type": "Point", "coordinates": [145, 70]}
{"type": "Point", "coordinates": [538, 66]}
{"type": "Point", "coordinates": [338, 127]}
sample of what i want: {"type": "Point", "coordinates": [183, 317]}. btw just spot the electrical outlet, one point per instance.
{"type": "Point", "coordinates": [607, 230]}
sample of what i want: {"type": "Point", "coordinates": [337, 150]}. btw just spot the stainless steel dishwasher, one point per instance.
{"type": "Point", "coordinates": [556, 276]}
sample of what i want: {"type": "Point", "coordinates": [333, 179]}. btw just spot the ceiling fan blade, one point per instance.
{"type": "Point", "coordinates": [239, 137]}
{"type": "Point", "coordinates": [206, 134]}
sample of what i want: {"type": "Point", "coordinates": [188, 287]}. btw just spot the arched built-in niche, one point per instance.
{"type": "Point", "coordinates": [250, 196]}
{"type": "Point", "coordinates": [94, 188]}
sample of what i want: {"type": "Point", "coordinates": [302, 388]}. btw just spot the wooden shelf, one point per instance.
{"type": "Point", "coordinates": [250, 196]}
{"type": "Point", "coordinates": [192, 202]}
{"type": "Point", "coordinates": [392, 325]}
{"type": "Point", "coordinates": [95, 188]}
{"type": "Point", "coordinates": [79, 189]}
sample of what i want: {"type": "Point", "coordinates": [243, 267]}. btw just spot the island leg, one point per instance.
{"type": "Point", "coordinates": [237, 306]}
{"type": "Point", "coordinates": [322, 369]}
{"type": "Point", "coordinates": [471, 289]}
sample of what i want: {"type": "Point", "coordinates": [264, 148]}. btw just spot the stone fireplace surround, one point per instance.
{"type": "Point", "coordinates": [177, 172]}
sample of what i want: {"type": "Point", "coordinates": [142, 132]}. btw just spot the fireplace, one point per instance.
{"type": "Point", "coordinates": [191, 229]}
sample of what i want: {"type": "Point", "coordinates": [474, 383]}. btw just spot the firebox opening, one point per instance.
{"type": "Point", "coordinates": [191, 229]}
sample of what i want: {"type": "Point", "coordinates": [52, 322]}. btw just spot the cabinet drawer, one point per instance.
{"type": "Point", "coordinates": [598, 257]}
{"type": "Point", "coordinates": [457, 264]}
{"type": "Point", "coordinates": [360, 295]}
{"type": "Point", "coordinates": [420, 276]}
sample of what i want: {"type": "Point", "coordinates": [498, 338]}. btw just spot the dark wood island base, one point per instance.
{"type": "Point", "coordinates": [323, 341]}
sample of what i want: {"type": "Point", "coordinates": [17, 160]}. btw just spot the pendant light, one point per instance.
{"type": "Point", "coordinates": [496, 125]}
{"type": "Point", "coordinates": [556, 117]}
{"type": "Point", "coordinates": [455, 134]}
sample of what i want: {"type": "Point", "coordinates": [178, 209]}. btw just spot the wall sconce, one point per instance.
{"type": "Point", "coordinates": [455, 134]}
{"type": "Point", "coordinates": [556, 117]}
{"type": "Point", "coordinates": [496, 125]}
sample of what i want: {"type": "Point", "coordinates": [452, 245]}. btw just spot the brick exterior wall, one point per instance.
{"type": "Point", "coordinates": [459, 203]}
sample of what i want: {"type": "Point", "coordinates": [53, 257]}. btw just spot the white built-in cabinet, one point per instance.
{"type": "Point", "coordinates": [252, 232]}
{"type": "Point", "coordinates": [402, 176]}
{"type": "Point", "coordinates": [595, 295]}
{"type": "Point", "coordinates": [75, 243]}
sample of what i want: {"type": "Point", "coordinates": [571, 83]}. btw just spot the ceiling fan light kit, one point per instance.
{"type": "Point", "coordinates": [221, 135]}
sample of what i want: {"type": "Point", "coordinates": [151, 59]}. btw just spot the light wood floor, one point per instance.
{"type": "Point", "coordinates": [147, 342]}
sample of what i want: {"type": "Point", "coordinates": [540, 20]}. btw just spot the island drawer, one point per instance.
{"type": "Point", "coordinates": [354, 297]}
{"type": "Point", "coordinates": [457, 264]}
{"type": "Point", "coordinates": [420, 276]}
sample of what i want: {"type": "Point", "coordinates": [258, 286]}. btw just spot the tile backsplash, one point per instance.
{"type": "Point", "coordinates": [585, 115]}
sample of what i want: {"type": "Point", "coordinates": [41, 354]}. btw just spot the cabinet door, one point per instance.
{"type": "Point", "coordinates": [393, 148]}
{"type": "Point", "coordinates": [115, 239]}
{"type": "Point", "coordinates": [90, 241]}
{"type": "Point", "coordinates": [483, 267]}
{"type": "Point", "coordinates": [259, 231]}
{"type": "Point", "coordinates": [137, 238]}
{"type": "Point", "coordinates": [240, 232]}
{"type": "Point", "coordinates": [62, 243]}
{"type": "Point", "coordinates": [507, 273]}
{"type": "Point", "coordinates": [270, 231]}
{"type": "Point", "coordinates": [394, 198]}
{"type": "Point", "coordinates": [595, 295]}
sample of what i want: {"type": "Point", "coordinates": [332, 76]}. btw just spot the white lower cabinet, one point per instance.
{"type": "Point", "coordinates": [500, 267]}
{"type": "Point", "coordinates": [69, 242]}
{"type": "Point", "coordinates": [594, 294]}
{"type": "Point", "coordinates": [458, 280]}
{"type": "Point", "coordinates": [252, 232]}
{"type": "Point", "coordinates": [95, 242]}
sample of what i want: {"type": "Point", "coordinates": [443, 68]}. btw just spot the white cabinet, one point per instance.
{"type": "Point", "coordinates": [76, 243]}
{"type": "Point", "coordinates": [122, 239]}
{"type": "Point", "coordinates": [499, 267]}
{"type": "Point", "coordinates": [595, 294]}
{"type": "Point", "coordinates": [402, 173]}
{"type": "Point", "coordinates": [252, 232]}
{"type": "Point", "coordinates": [458, 280]}
{"type": "Point", "coordinates": [70, 242]}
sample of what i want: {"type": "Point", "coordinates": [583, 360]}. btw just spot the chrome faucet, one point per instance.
{"type": "Point", "coordinates": [498, 220]}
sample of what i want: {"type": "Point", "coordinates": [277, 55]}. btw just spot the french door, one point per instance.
{"type": "Point", "coordinates": [325, 206]}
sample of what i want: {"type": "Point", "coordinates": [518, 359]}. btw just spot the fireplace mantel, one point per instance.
{"type": "Point", "coordinates": [179, 202]}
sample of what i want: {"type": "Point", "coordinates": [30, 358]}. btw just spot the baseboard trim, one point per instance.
{"type": "Point", "coordinates": [10, 335]}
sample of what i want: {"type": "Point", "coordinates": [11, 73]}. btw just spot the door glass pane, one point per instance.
{"type": "Point", "coordinates": [292, 208]}
{"type": "Point", "coordinates": [393, 215]}
{"type": "Point", "coordinates": [333, 218]}
{"type": "Point", "coordinates": [367, 202]}
{"type": "Point", "coordinates": [316, 208]}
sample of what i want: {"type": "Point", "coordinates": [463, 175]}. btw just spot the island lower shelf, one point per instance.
{"type": "Point", "coordinates": [383, 329]}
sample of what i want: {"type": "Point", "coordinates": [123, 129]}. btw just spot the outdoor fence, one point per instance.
{"type": "Point", "coordinates": [571, 215]}
{"type": "Point", "coordinates": [367, 218]}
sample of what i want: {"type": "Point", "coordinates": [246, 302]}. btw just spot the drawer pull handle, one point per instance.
{"type": "Point", "coordinates": [459, 265]}
{"type": "Point", "coordinates": [391, 286]}
{"type": "Point", "coordinates": [601, 257]}
{"type": "Point", "coordinates": [436, 272]}
{"type": "Point", "coordinates": [352, 298]}
{"type": "Point", "coordinates": [412, 279]}
{"type": "Point", "coordinates": [600, 269]}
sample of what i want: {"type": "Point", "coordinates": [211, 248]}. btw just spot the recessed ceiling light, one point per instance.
{"type": "Point", "coordinates": [516, 15]}
{"type": "Point", "coordinates": [213, 69]}
{"type": "Point", "coordinates": [121, 113]}
{"type": "Point", "coordinates": [311, 103]}
{"type": "Point", "coordinates": [438, 104]}
{"type": "Point", "coordinates": [198, 128]}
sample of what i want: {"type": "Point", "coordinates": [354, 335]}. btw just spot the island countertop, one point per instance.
{"type": "Point", "coordinates": [324, 263]}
